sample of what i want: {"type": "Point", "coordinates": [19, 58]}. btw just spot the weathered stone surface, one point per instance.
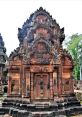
{"type": "Point", "coordinates": [40, 71]}
{"type": "Point", "coordinates": [3, 59]}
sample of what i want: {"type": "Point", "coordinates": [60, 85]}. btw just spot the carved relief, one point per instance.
{"type": "Point", "coordinates": [66, 86]}
{"type": "Point", "coordinates": [55, 82]}
{"type": "Point", "coordinates": [15, 83]}
{"type": "Point", "coordinates": [41, 47]}
{"type": "Point", "coordinates": [27, 75]}
{"type": "Point", "coordinates": [37, 68]}
{"type": "Point", "coordinates": [15, 87]}
{"type": "Point", "coordinates": [41, 86]}
{"type": "Point", "coordinates": [41, 53]}
{"type": "Point", "coordinates": [41, 32]}
{"type": "Point", "coordinates": [41, 19]}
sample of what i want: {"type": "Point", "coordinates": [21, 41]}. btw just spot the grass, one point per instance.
{"type": "Point", "coordinates": [81, 102]}
{"type": "Point", "coordinates": [2, 98]}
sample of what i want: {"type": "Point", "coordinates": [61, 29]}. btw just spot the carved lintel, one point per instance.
{"type": "Point", "coordinates": [41, 68]}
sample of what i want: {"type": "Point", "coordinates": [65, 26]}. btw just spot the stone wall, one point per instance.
{"type": "Point", "coordinates": [77, 84]}
{"type": "Point", "coordinates": [78, 89]}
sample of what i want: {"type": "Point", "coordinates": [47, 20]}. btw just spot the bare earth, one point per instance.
{"type": "Point", "coordinates": [5, 115]}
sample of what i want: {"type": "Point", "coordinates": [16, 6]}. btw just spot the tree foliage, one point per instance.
{"type": "Point", "coordinates": [73, 47]}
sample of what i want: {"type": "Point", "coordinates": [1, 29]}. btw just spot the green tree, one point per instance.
{"type": "Point", "coordinates": [73, 47]}
{"type": "Point", "coordinates": [80, 57]}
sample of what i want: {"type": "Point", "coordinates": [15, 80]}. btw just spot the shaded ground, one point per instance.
{"type": "Point", "coordinates": [59, 116]}
{"type": "Point", "coordinates": [77, 116]}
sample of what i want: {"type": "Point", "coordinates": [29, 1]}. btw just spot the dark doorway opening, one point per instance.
{"type": "Point", "coordinates": [5, 89]}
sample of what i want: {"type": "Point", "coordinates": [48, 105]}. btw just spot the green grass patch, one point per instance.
{"type": "Point", "coordinates": [2, 98]}
{"type": "Point", "coordinates": [81, 102]}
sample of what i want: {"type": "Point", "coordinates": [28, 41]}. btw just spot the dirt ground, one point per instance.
{"type": "Point", "coordinates": [5, 115]}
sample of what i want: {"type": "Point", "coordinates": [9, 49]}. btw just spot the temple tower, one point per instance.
{"type": "Point", "coordinates": [39, 68]}
{"type": "Point", "coordinates": [40, 71]}
{"type": "Point", "coordinates": [3, 59]}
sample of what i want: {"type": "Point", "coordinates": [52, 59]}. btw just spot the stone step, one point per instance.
{"type": "Point", "coordinates": [24, 113]}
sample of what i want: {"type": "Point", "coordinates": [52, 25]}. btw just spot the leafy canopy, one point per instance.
{"type": "Point", "coordinates": [73, 46]}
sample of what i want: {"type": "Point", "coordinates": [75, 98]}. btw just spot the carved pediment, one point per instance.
{"type": "Point", "coordinates": [67, 58]}
{"type": "Point", "coordinates": [41, 24]}
{"type": "Point", "coordinates": [40, 52]}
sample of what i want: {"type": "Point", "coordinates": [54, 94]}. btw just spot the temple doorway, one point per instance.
{"type": "Point", "coordinates": [41, 86]}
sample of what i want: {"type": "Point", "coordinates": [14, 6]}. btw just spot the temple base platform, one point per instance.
{"type": "Point", "coordinates": [22, 107]}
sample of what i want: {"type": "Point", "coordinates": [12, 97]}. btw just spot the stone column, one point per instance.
{"type": "Point", "coordinates": [51, 86]}
{"type": "Point", "coordinates": [9, 86]}
{"type": "Point", "coordinates": [31, 86]}
{"type": "Point", "coordinates": [23, 82]}
{"type": "Point", "coordinates": [60, 80]}
{"type": "Point", "coordinates": [1, 76]}
{"type": "Point", "coordinates": [55, 82]}
{"type": "Point", "coordinates": [27, 77]}
{"type": "Point", "coordinates": [21, 75]}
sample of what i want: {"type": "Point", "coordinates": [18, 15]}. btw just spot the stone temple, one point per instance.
{"type": "Point", "coordinates": [3, 71]}
{"type": "Point", "coordinates": [40, 71]}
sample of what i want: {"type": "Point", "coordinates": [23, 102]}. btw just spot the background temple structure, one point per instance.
{"type": "Point", "coordinates": [3, 71]}
{"type": "Point", "coordinates": [40, 71]}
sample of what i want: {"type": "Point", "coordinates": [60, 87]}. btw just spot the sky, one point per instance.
{"type": "Point", "coordinates": [13, 13]}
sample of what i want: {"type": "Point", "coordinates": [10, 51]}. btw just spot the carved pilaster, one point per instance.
{"type": "Point", "coordinates": [21, 75]}
{"type": "Point", "coordinates": [51, 86]}
{"type": "Point", "coordinates": [28, 82]}
{"type": "Point", "coordinates": [9, 86]}
{"type": "Point", "coordinates": [31, 84]}
{"type": "Point", "coordinates": [59, 81]}
{"type": "Point", "coordinates": [55, 82]}
{"type": "Point", "coordinates": [23, 82]}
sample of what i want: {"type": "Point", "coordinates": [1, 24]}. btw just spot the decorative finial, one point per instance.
{"type": "Point", "coordinates": [1, 37]}
{"type": "Point", "coordinates": [41, 8]}
{"type": "Point", "coordinates": [1, 41]}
